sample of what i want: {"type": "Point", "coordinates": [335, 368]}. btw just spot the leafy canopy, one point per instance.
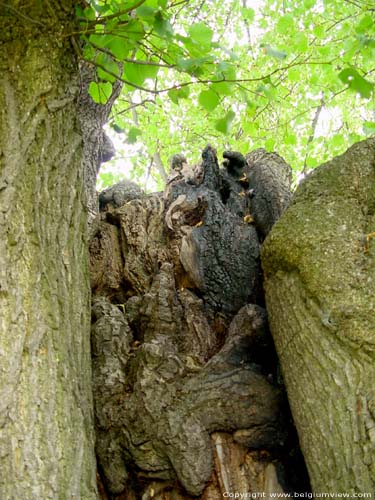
{"type": "Point", "coordinates": [292, 76]}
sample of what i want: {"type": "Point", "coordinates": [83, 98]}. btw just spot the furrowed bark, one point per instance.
{"type": "Point", "coordinates": [46, 433]}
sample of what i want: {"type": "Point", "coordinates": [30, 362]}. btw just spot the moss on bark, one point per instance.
{"type": "Point", "coordinates": [320, 289]}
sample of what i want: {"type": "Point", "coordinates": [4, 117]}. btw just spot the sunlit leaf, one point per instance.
{"type": "Point", "coordinates": [201, 33]}
{"type": "Point", "coordinates": [224, 124]}
{"type": "Point", "coordinates": [285, 23]}
{"type": "Point", "coordinates": [222, 88]}
{"type": "Point", "coordinates": [176, 94]}
{"type": "Point", "coordinates": [369, 128]}
{"type": "Point", "coordinates": [270, 144]}
{"type": "Point", "coordinates": [134, 30]}
{"type": "Point", "coordinates": [248, 14]}
{"type": "Point", "coordinates": [162, 26]}
{"type": "Point", "coordinates": [146, 12]}
{"type": "Point", "coordinates": [119, 48]}
{"type": "Point", "coordinates": [208, 99]}
{"type": "Point", "coordinates": [108, 70]}
{"type": "Point", "coordinates": [356, 82]}
{"type": "Point", "coordinates": [100, 92]}
{"type": "Point", "coordinates": [133, 135]}
{"type": "Point", "coordinates": [365, 24]}
{"type": "Point", "coordinates": [290, 139]}
{"type": "Point", "coordinates": [337, 140]}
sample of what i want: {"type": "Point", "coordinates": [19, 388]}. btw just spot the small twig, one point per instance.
{"type": "Point", "coordinates": [127, 60]}
{"type": "Point", "coordinates": [247, 28]}
{"type": "Point", "coordinates": [134, 105]}
{"type": "Point", "coordinates": [313, 129]}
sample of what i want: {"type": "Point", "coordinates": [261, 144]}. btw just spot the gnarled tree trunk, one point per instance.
{"type": "Point", "coordinates": [320, 289]}
{"type": "Point", "coordinates": [186, 395]}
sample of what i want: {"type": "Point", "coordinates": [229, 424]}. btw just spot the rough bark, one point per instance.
{"type": "Point", "coordinates": [270, 179]}
{"type": "Point", "coordinates": [97, 147]}
{"type": "Point", "coordinates": [185, 376]}
{"type": "Point", "coordinates": [46, 418]}
{"type": "Point", "coordinates": [320, 289]}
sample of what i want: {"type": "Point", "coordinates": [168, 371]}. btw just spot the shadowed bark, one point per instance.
{"type": "Point", "coordinates": [270, 178]}
{"type": "Point", "coordinates": [183, 365]}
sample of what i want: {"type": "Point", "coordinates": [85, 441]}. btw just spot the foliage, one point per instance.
{"type": "Point", "coordinates": [296, 77]}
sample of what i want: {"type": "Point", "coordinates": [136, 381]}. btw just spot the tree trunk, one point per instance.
{"type": "Point", "coordinates": [46, 432]}
{"type": "Point", "coordinates": [186, 395]}
{"type": "Point", "coordinates": [320, 289]}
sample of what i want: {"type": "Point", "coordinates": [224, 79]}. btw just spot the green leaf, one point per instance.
{"type": "Point", "coordinates": [270, 144]}
{"type": "Point", "coordinates": [208, 99]}
{"type": "Point", "coordinates": [134, 30]}
{"type": "Point", "coordinates": [369, 128]}
{"type": "Point", "coordinates": [250, 128]}
{"type": "Point", "coordinates": [136, 74]}
{"type": "Point", "coordinates": [365, 24]}
{"type": "Point", "coordinates": [101, 9]}
{"type": "Point", "coordinates": [248, 14]}
{"type": "Point", "coordinates": [319, 31]}
{"type": "Point", "coordinates": [119, 48]}
{"type": "Point", "coordinates": [226, 71]}
{"type": "Point", "coordinates": [108, 67]}
{"type": "Point", "coordinates": [269, 91]}
{"type": "Point", "coordinates": [100, 92]}
{"type": "Point", "coordinates": [89, 13]}
{"type": "Point", "coordinates": [290, 139]}
{"type": "Point", "coordinates": [176, 94]}
{"type": "Point", "coordinates": [365, 41]}
{"type": "Point", "coordinates": [285, 24]}
{"type": "Point", "coordinates": [337, 141]}
{"type": "Point", "coordinates": [311, 162]}
{"type": "Point", "coordinates": [356, 82]}
{"type": "Point", "coordinates": [150, 70]}
{"type": "Point", "coordinates": [133, 135]}
{"type": "Point", "coordinates": [324, 50]}
{"type": "Point", "coordinates": [225, 124]}
{"type": "Point", "coordinates": [88, 52]}
{"type": "Point", "coordinates": [301, 42]}
{"type": "Point", "coordinates": [163, 27]}
{"type": "Point", "coordinates": [294, 74]}
{"type": "Point", "coordinates": [109, 178]}
{"type": "Point", "coordinates": [146, 12]}
{"type": "Point", "coordinates": [201, 33]}
{"type": "Point", "coordinates": [117, 128]}
{"type": "Point", "coordinates": [100, 40]}
{"type": "Point", "coordinates": [222, 88]}
{"type": "Point", "coordinates": [193, 66]}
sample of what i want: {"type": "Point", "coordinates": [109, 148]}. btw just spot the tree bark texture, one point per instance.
{"type": "Point", "coordinates": [320, 289]}
{"type": "Point", "coordinates": [46, 432]}
{"type": "Point", "coordinates": [185, 386]}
